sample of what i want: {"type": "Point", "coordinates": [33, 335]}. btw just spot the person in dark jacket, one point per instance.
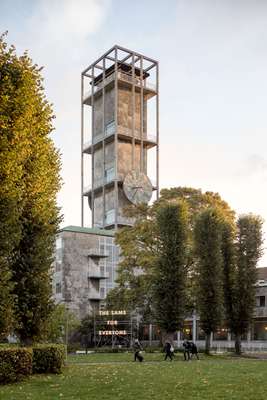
{"type": "Point", "coordinates": [193, 350]}
{"type": "Point", "coordinates": [168, 351]}
{"type": "Point", "coordinates": [137, 348]}
{"type": "Point", "coordinates": [186, 346]}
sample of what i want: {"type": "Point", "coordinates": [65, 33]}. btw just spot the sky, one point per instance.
{"type": "Point", "coordinates": [213, 86]}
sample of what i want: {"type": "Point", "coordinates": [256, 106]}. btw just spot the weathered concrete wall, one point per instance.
{"type": "Point", "coordinates": [98, 209]}
{"type": "Point", "coordinates": [98, 166]}
{"type": "Point", "coordinates": [77, 288]}
{"type": "Point", "coordinates": [125, 110]}
{"type": "Point", "coordinates": [124, 150]}
{"type": "Point", "coordinates": [125, 158]}
{"type": "Point", "coordinates": [98, 110]}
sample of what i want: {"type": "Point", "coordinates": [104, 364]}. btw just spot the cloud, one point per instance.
{"type": "Point", "coordinates": [60, 36]}
{"type": "Point", "coordinates": [254, 165]}
{"type": "Point", "coordinates": [67, 20]}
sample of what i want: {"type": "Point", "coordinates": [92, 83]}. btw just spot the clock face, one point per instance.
{"type": "Point", "coordinates": [137, 187]}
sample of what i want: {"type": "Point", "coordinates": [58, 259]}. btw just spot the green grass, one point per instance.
{"type": "Point", "coordinates": [115, 376]}
{"type": "Point", "coordinates": [116, 357]}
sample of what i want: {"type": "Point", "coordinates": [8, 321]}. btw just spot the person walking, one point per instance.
{"type": "Point", "coordinates": [186, 346]}
{"type": "Point", "coordinates": [193, 350]}
{"type": "Point", "coordinates": [169, 350]}
{"type": "Point", "coordinates": [137, 349]}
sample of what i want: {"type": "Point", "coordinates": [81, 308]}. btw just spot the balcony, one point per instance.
{"type": "Point", "coordinates": [110, 217]}
{"type": "Point", "coordinates": [94, 295]}
{"type": "Point", "coordinates": [95, 252]}
{"type": "Point", "coordinates": [95, 273]}
{"type": "Point", "coordinates": [110, 130]}
{"type": "Point", "coordinates": [125, 133]}
{"type": "Point", "coordinates": [87, 190]}
{"type": "Point", "coordinates": [149, 88]}
{"type": "Point", "coordinates": [103, 181]}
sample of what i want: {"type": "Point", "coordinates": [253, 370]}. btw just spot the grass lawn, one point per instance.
{"type": "Point", "coordinates": [115, 376]}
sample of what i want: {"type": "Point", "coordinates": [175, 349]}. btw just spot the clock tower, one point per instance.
{"type": "Point", "coordinates": [120, 132]}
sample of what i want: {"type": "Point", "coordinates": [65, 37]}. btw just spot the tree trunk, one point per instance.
{"type": "Point", "coordinates": [238, 344]}
{"type": "Point", "coordinates": [207, 343]}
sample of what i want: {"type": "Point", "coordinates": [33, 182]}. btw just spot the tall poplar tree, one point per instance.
{"type": "Point", "coordinates": [208, 243]}
{"type": "Point", "coordinates": [248, 251]}
{"type": "Point", "coordinates": [228, 249]}
{"type": "Point", "coordinates": [139, 247]}
{"type": "Point", "coordinates": [13, 154]}
{"type": "Point", "coordinates": [170, 270]}
{"type": "Point", "coordinates": [30, 167]}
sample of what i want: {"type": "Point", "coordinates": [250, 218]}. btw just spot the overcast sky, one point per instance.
{"type": "Point", "coordinates": [213, 86]}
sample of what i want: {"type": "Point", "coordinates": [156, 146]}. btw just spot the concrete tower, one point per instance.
{"type": "Point", "coordinates": [121, 89]}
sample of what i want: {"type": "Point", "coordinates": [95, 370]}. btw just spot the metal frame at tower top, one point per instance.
{"type": "Point", "coordinates": [114, 59]}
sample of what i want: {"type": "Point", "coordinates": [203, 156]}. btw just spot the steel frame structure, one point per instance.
{"type": "Point", "coordinates": [115, 57]}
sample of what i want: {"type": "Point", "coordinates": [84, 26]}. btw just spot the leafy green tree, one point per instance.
{"type": "Point", "coordinates": [228, 249]}
{"type": "Point", "coordinates": [208, 244]}
{"type": "Point", "coordinates": [30, 167]}
{"type": "Point", "coordinates": [248, 251]}
{"type": "Point", "coordinates": [57, 323]}
{"type": "Point", "coordinates": [86, 331]}
{"type": "Point", "coordinates": [170, 270]}
{"type": "Point", "coordinates": [13, 153]}
{"type": "Point", "coordinates": [139, 248]}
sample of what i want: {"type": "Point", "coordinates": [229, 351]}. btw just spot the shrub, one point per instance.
{"type": "Point", "coordinates": [106, 349]}
{"type": "Point", "coordinates": [15, 364]}
{"type": "Point", "coordinates": [48, 358]}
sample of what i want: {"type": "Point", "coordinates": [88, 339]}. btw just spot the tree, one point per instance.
{"type": "Point", "coordinates": [26, 125]}
{"type": "Point", "coordinates": [86, 332]}
{"type": "Point", "coordinates": [13, 153]}
{"type": "Point", "coordinates": [248, 251]}
{"type": "Point", "coordinates": [139, 247]}
{"type": "Point", "coordinates": [229, 270]}
{"type": "Point", "coordinates": [170, 270]}
{"type": "Point", "coordinates": [208, 244]}
{"type": "Point", "coordinates": [57, 323]}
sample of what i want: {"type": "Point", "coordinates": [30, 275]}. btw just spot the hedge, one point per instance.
{"type": "Point", "coordinates": [15, 364]}
{"type": "Point", "coordinates": [48, 358]}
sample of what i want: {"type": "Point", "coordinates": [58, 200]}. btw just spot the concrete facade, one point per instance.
{"type": "Point", "coordinates": [118, 98]}
{"type": "Point", "coordinates": [84, 269]}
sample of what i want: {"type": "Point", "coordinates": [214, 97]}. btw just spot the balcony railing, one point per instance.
{"type": "Point", "coordinates": [95, 252]}
{"type": "Point", "coordinates": [136, 80]}
{"type": "Point", "coordinates": [94, 295]}
{"type": "Point", "coordinates": [95, 273]}
{"type": "Point", "coordinates": [124, 76]}
{"type": "Point", "coordinates": [110, 129]}
{"type": "Point", "coordinates": [110, 217]}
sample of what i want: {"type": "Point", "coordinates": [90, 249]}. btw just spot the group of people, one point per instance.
{"type": "Point", "coordinates": [189, 348]}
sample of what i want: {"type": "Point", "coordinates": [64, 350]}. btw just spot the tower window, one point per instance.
{"type": "Point", "coordinates": [110, 128]}
{"type": "Point", "coordinates": [58, 287]}
{"type": "Point", "coordinates": [110, 216]}
{"type": "Point", "coordinates": [260, 301]}
{"type": "Point", "coordinates": [109, 174]}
